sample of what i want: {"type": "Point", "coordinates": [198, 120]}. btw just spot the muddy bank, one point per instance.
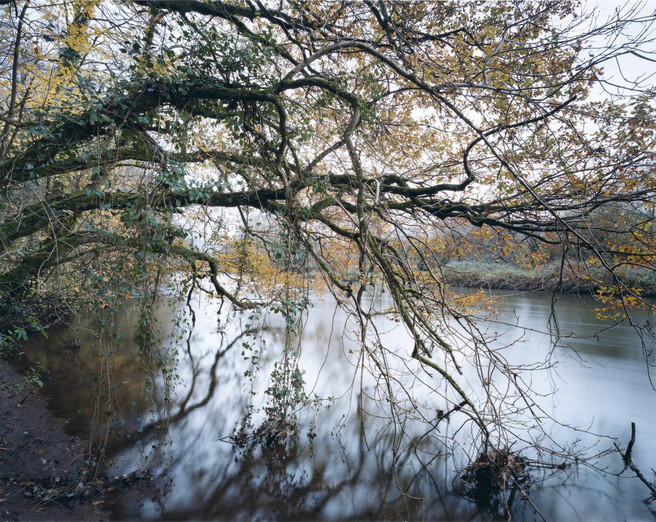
{"type": "Point", "coordinates": [41, 467]}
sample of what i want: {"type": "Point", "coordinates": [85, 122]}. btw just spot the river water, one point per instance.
{"type": "Point", "coordinates": [353, 465]}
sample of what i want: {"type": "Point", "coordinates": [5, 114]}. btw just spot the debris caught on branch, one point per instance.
{"type": "Point", "coordinates": [494, 478]}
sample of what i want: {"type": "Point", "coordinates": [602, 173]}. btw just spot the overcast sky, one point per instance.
{"type": "Point", "coordinates": [638, 64]}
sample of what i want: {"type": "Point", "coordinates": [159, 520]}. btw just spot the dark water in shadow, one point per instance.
{"type": "Point", "coordinates": [353, 465]}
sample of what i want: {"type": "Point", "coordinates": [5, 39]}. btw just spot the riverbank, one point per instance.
{"type": "Point", "coordinates": [41, 467]}
{"type": "Point", "coordinates": [504, 276]}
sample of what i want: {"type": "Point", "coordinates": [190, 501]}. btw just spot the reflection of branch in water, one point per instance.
{"type": "Point", "coordinates": [268, 481]}
{"type": "Point", "coordinates": [183, 410]}
{"type": "Point", "coordinates": [333, 474]}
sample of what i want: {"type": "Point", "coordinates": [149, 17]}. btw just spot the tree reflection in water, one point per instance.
{"type": "Point", "coordinates": [352, 466]}
{"type": "Point", "coordinates": [298, 480]}
{"type": "Point", "coordinates": [359, 463]}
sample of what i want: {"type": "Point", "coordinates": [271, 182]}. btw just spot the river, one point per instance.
{"type": "Point", "coordinates": [352, 465]}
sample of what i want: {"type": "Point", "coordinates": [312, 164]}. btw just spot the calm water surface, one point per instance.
{"type": "Point", "coordinates": [351, 467]}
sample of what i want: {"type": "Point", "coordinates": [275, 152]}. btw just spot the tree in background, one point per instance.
{"type": "Point", "coordinates": [353, 140]}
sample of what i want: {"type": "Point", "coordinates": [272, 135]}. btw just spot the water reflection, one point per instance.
{"type": "Point", "coordinates": [355, 465]}
{"type": "Point", "coordinates": [73, 357]}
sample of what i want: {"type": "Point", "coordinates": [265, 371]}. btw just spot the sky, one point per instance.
{"type": "Point", "coordinates": [637, 40]}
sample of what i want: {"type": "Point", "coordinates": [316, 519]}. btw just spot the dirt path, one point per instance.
{"type": "Point", "coordinates": [40, 466]}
